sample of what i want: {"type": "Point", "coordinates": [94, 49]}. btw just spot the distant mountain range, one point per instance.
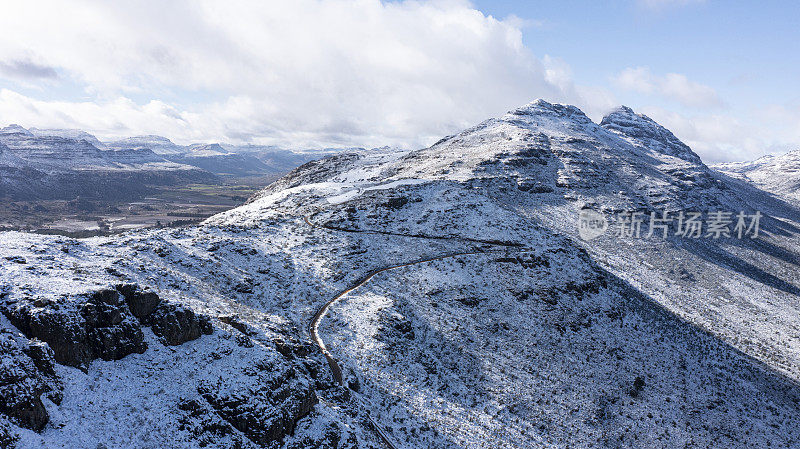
{"type": "Point", "coordinates": [67, 163]}
{"type": "Point", "coordinates": [779, 174]}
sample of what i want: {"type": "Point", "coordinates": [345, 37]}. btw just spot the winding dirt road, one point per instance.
{"type": "Point", "coordinates": [313, 327]}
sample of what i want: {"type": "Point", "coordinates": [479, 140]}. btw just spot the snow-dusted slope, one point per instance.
{"type": "Point", "coordinates": [529, 338]}
{"type": "Point", "coordinates": [777, 174]}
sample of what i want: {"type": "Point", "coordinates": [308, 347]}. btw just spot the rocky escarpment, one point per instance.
{"type": "Point", "coordinates": [79, 329]}
{"type": "Point", "coordinates": [74, 331]}
{"type": "Point", "coordinates": [265, 403]}
{"type": "Point", "coordinates": [174, 324]}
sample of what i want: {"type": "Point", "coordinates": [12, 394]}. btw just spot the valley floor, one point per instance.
{"type": "Point", "coordinates": [169, 206]}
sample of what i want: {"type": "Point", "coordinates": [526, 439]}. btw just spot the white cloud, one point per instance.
{"type": "Point", "coordinates": [672, 86]}
{"type": "Point", "coordinates": [725, 138]}
{"type": "Point", "coordinates": [306, 72]}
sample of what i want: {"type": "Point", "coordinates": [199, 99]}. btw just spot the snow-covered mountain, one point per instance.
{"type": "Point", "coordinates": [218, 160]}
{"type": "Point", "coordinates": [74, 134]}
{"type": "Point", "coordinates": [157, 144]}
{"type": "Point", "coordinates": [447, 288]}
{"type": "Point", "coordinates": [46, 165]}
{"type": "Point", "coordinates": [228, 160]}
{"type": "Point", "coordinates": [779, 174]}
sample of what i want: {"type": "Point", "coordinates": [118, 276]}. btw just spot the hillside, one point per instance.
{"type": "Point", "coordinates": [449, 288]}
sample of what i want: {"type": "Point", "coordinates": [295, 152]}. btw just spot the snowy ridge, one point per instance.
{"type": "Point", "coordinates": [779, 174]}
{"type": "Point", "coordinates": [73, 134]}
{"type": "Point", "coordinates": [157, 144]}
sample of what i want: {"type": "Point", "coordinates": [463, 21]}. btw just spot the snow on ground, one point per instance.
{"type": "Point", "coordinates": [544, 341]}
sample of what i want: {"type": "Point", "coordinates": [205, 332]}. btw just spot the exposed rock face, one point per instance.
{"type": "Point", "coordinates": [142, 302]}
{"type": "Point", "coordinates": [113, 333]}
{"type": "Point", "coordinates": [265, 403]}
{"type": "Point", "coordinates": [26, 374]}
{"type": "Point", "coordinates": [79, 329]}
{"type": "Point", "coordinates": [644, 131]}
{"type": "Point", "coordinates": [175, 324]}
{"type": "Point", "coordinates": [206, 427]}
{"type": "Point", "coordinates": [78, 332]}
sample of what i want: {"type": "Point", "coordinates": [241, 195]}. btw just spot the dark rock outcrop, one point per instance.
{"type": "Point", "coordinates": [79, 331]}
{"type": "Point", "coordinates": [26, 374]}
{"type": "Point", "coordinates": [7, 436]}
{"type": "Point", "coordinates": [266, 402]}
{"type": "Point", "coordinates": [206, 427]}
{"type": "Point", "coordinates": [112, 332]}
{"type": "Point", "coordinates": [175, 324]}
{"type": "Point", "coordinates": [141, 302]}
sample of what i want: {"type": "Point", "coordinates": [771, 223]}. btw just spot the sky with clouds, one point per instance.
{"type": "Point", "coordinates": [319, 73]}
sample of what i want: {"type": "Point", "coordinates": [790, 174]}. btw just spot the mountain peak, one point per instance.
{"type": "Point", "coordinates": [645, 132]}
{"type": "Point", "coordinates": [208, 149]}
{"type": "Point", "coordinates": [542, 107]}
{"type": "Point", "coordinates": [541, 111]}
{"type": "Point", "coordinates": [15, 129]}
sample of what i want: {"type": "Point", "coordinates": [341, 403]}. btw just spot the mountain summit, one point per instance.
{"type": "Point", "coordinates": [15, 129]}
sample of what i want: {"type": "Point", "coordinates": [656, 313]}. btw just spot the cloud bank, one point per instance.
{"type": "Point", "coordinates": [306, 72]}
{"type": "Point", "coordinates": [672, 86]}
{"type": "Point", "coordinates": [320, 73]}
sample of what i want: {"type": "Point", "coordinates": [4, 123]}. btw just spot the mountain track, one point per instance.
{"type": "Point", "coordinates": [313, 327]}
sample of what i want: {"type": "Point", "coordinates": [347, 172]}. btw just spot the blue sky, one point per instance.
{"type": "Point", "coordinates": [316, 73]}
{"type": "Point", "coordinates": [746, 50]}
